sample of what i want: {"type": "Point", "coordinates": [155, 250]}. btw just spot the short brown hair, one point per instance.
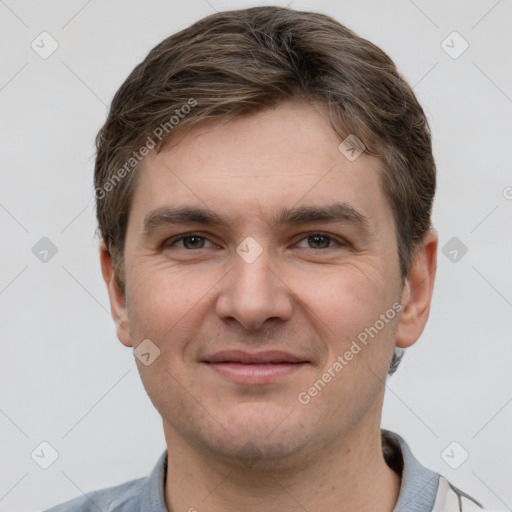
{"type": "Point", "coordinates": [235, 63]}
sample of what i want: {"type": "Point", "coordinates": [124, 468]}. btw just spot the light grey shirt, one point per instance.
{"type": "Point", "coordinates": [420, 490]}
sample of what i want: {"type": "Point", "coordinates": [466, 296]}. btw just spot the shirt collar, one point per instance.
{"type": "Point", "coordinates": [419, 485]}
{"type": "Point", "coordinates": [152, 497]}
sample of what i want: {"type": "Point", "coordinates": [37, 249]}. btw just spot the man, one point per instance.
{"type": "Point", "coordinates": [264, 186]}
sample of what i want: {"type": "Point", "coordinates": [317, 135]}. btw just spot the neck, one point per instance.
{"type": "Point", "coordinates": [349, 476]}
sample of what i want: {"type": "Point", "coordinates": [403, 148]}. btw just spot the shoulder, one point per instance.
{"type": "Point", "coordinates": [451, 499]}
{"type": "Point", "coordinates": [143, 494]}
{"type": "Point", "coordinates": [422, 488]}
{"type": "Point", "coordinates": [120, 498]}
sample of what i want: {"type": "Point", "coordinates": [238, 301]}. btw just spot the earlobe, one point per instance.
{"type": "Point", "coordinates": [116, 297]}
{"type": "Point", "coordinates": [417, 292]}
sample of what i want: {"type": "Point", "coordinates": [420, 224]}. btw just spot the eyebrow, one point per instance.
{"type": "Point", "coordinates": [337, 212]}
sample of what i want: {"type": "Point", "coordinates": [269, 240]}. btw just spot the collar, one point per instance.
{"type": "Point", "coordinates": [152, 496]}
{"type": "Point", "coordinates": [419, 485]}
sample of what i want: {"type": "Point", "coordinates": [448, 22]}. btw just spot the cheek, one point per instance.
{"type": "Point", "coordinates": [167, 304]}
{"type": "Point", "coordinates": [348, 296]}
{"type": "Point", "coordinates": [347, 314]}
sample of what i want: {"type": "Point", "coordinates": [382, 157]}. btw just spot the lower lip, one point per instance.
{"type": "Point", "coordinates": [255, 373]}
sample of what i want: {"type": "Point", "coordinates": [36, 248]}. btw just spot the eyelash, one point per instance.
{"type": "Point", "coordinates": [173, 240]}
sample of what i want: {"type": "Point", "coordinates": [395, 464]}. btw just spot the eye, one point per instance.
{"type": "Point", "coordinates": [190, 241]}
{"type": "Point", "coordinates": [320, 241]}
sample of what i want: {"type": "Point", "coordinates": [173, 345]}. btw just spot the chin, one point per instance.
{"type": "Point", "coordinates": [260, 440]}
{"type": "Point", "coordinates": [262, 454]}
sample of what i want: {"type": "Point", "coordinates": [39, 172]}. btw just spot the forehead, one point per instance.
{"type": "Point", "coordinates": [252, 167]}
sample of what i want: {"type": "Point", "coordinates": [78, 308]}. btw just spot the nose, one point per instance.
{"type": "Point", "coordinates": [253, 293]}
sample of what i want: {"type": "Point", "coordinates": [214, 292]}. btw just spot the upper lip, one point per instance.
{"type": "Point", "coordinates": [239, 356]}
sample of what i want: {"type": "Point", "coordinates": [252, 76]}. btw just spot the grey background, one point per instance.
{"type": "Point", "coordinates": [64, 377]}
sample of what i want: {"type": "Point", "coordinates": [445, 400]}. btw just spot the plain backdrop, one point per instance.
{"type": "Point", "coordinates": [64, 377]}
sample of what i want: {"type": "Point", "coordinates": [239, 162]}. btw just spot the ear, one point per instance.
{"type": "Point", "coordinates": [417, 292]}
{"type": "Point", "coordinates": [117, 299]}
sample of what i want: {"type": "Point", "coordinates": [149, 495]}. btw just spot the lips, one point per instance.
{"type": "Point", "coordinates": [268, 357]}
{"type": "Point", "coordinates": [257, 368]}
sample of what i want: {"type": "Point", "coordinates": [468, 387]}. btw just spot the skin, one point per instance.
{"type": "Point", "coordinates": [310, 297]}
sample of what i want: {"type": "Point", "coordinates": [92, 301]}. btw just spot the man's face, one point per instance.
{"type": "Point", "coordinates": [317, 284]}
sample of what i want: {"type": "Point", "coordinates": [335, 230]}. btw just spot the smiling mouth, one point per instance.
{"type": "Point", "coordinates": [257, 368]}
{"type": "Point", "coordinates": [263, 357]}
{"type": "Point", "coordinates": [255, 373]}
